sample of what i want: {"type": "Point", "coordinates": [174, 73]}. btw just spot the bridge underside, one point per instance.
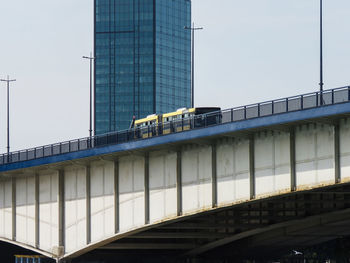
{"type": "Point", "coordinates": [270, 227]}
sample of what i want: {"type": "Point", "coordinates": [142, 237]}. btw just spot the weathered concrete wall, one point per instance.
{"type": "Point", "coordinates": [196, 178]}
{"type": "Point", "coordinates": [75, 208]}
{"type": "Point", "coordinates": [131, 192]}
{"type": "Point", "coordinates": [25, 210]}
{"type": "Point", "coordinates": [272, 163]}
{"type": "Point", "coordinates": [104, 198]}
{"type": "Point", "coordinates": [6, 209]}
{"type": "Point", "coordinates": [233, 170]}
{"type": "Point", "coordinates": [162, 183]}
{"type": "Point", "coordinates": [345, 149]}
{"type": "Point", "coordinates": [314, 155]}
{"type": "Point", "coordinates": [48, 210]}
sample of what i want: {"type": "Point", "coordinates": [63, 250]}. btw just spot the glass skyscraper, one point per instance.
{"type": "Point", "coordinates": [142, 60]}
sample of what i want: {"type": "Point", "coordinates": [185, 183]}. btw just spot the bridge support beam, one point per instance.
{"type": "Point", "coordinates": [13, 182]}
{"type": "Point", "coordinates": [252, 167]}
{"type": "Point", "coordinates": [88, 204]}
{"type": "Point", "coordinates": [36, 218]}
{"type": "Point", "coordinates": [147, 200]}
{"type": "Point", "coordinates": [337, 153]}
{"type": "Point", "coordinates": [293, 175]}
{"type": "Point", "coordinates": [179, 182]}
{"type": "Point", "coordinates": [116, 196]}
{"type": "Point", "coordinates": [61, 216]}
{"type": "Point", "coordinates": [214, 176]}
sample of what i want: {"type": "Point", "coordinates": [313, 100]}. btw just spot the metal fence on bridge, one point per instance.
{"type": "Point", "coordinates": [268, 108]}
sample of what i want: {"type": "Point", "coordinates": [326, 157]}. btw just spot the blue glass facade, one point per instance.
{"type": "Point", "coordinates": [143, 60]}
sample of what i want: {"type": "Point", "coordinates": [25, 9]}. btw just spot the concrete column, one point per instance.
{"type": "Point", "coordinates": [88, 204]}
{"type": "Point", "coordinates": [252, 166]}
{"type": "Point", "coordinates": [293, 175]}
{"type": "Point", "coordinates": [214, 176]}
{"type": "Point", "coordinates": [36, 219]}
{"type": "Point", "coordinates": [13, 181]}
{"type": "Point", "coordinates": [337, 153]}
{"type": "Point", "coordinates": [116, 197]}
{"type": "Point", "coordinates": [147, 200]}
{"type": "Point", "coordinates": [179, 182]}
{"type": "Point", "coordinates": [61, 209]}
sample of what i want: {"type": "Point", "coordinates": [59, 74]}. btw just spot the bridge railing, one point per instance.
{"type": "Point", "coordinates": [268, 108]}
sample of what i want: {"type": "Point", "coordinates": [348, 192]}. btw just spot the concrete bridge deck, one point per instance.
{"type": "Point", "coordinates": [277, 179]}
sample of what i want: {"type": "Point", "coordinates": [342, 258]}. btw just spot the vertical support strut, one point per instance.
{"type": "Point", "coordinates": [116, 196]}
{"type": "Point", "coordinates": [147, 213]}
{"type": "Point", "coordinates": [214, 176]}
{"type": "Point", "coordinates": [88, 204]}
{"type": "Point", "coordinates": [293, 175]}
{"type": "Point", "coordinates": [252, 166]}
{"type": "Point", "coordinates": [13, 182]}
{"type": "Point", "coordinates": [179, 182]}
{"type": "Point", "coordinates": [337, 171]}
{"type": "Point", "coordinates": [36, 204]}
{"type": "Point", "coordinates": [61, 209]}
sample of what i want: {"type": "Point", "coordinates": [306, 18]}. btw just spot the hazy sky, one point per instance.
{"type": "Point", "coordinates": [249, 51]}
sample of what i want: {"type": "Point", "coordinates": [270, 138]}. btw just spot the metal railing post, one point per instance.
{"type": "Point", "coordinates": [287, 105]}
{"type": "Point", "coordinates": [231, 115]}
{"type": "Point", "coordinates": [332, 96]}
{"type": "Point", "coordinates": [302, 102]}
{"type": "Point", "coordinates": [245, 112]}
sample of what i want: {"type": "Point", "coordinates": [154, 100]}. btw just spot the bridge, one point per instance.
{"type": "Point", "coordinates": [269, 177]}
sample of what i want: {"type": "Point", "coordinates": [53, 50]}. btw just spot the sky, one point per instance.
{"type": "Point", "coordinates": [249, 51]}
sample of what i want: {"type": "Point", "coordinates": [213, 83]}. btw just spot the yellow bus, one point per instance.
{"type": "Point", "coordinates": [177, 121]}
{"type": "Point", "coordinates": [148, 127]}
{"type": "Point", "coordinates": [181, 120]}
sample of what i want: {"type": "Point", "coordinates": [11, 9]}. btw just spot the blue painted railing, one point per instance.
{"type": "Point", "coordinates": [268, 108]}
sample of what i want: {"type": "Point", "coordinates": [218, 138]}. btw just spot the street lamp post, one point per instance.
{"type": "Point", "coordinates": [8, 80]}
{"type": "Point", "coordinates": [321, 53]}
{"type": "Point", "coordinates": [91, 58]}
{"type": "Point", "coordinates": [193, 29]}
